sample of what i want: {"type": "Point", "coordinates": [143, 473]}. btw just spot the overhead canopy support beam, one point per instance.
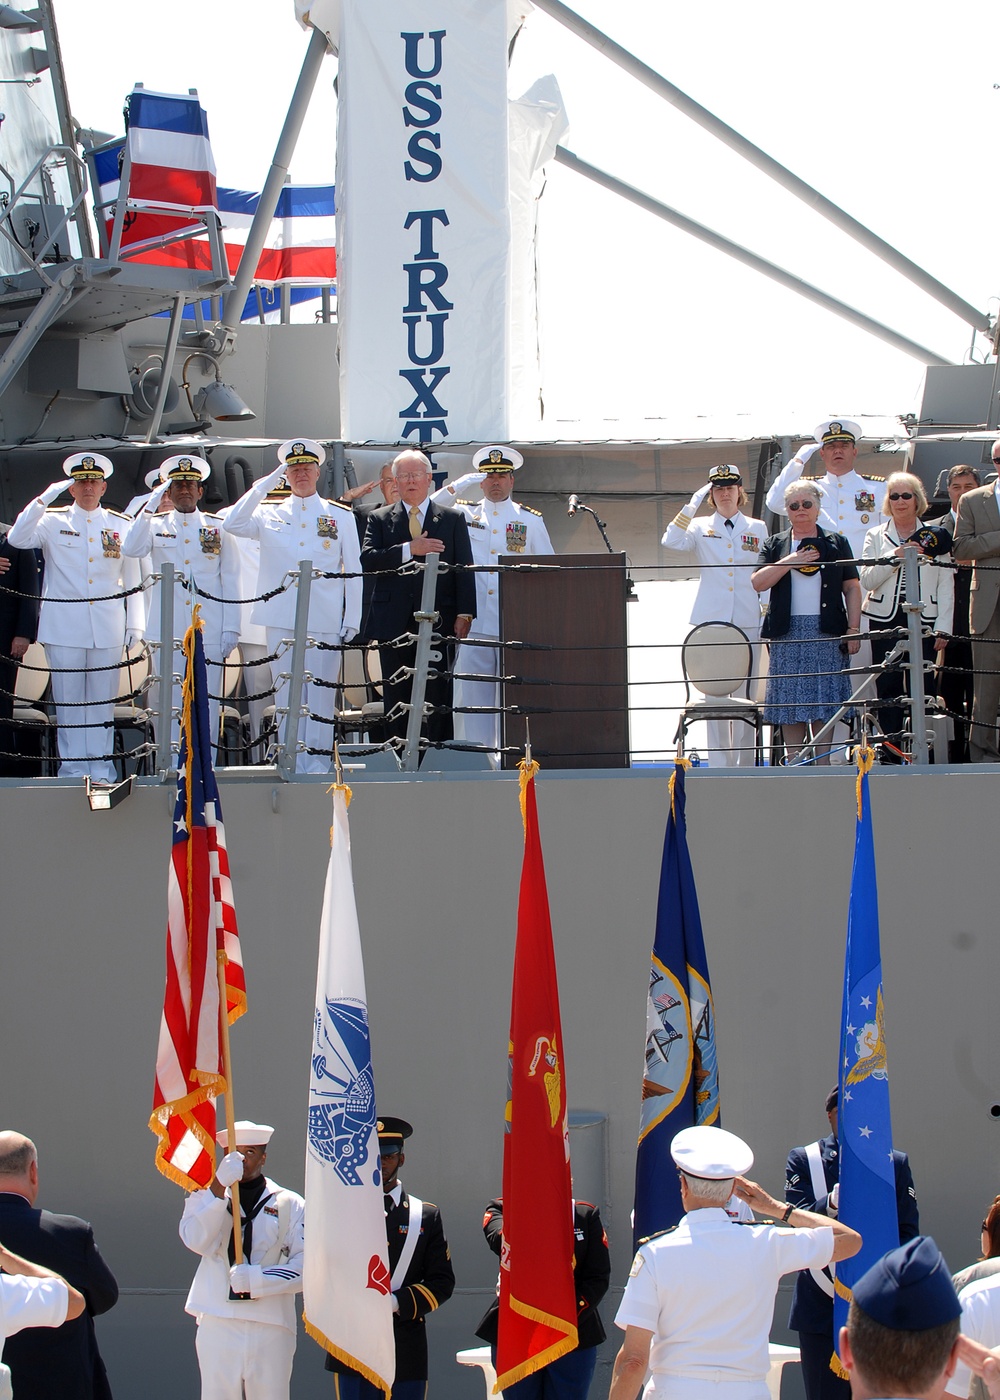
{"type": "Point", "coordinates": [744, 255]}
{"type": "Point", "coordinates": [784, 177]}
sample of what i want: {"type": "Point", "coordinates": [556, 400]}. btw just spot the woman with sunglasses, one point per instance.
{"type": "Point", "coordinates": [812, 621]}
{"type": "Point", "coordinates": [885, 593]}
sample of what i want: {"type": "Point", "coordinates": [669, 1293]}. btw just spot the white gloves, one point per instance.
{"type": "Point", "coordinates": [805, 452]}
{"type": "Point", "coordinates": [230, 640]}
{"type": "Point", "coordinates": [156, 496]}
{"type": "Point", "coordinates": [230, 1169]}
{"type": "Point", "coordinates": [239, 1278]}
{"type": "Point", "coordinates": [461, 482]}
{"type": "Point", "coordinates": [56, 489]}
{"type": "Point", "coordinates": [349, 634]}
{"type": "Point", "coordinates": [272, 479]}
{"type": "Point", "coordinates": [833, 1201]}
{"type": "Point", "coordinates": [698, 497]}
{"type": "Point", "coordinates": [133, 638]}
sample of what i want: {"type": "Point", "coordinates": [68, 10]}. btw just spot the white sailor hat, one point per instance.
{"type": "Point", "coordinates": [247, 1134]}
{"type": "Point", "coordinates": [185, 467]}
{"type": "Point", "coordinates": [837, 430]}
{"type": "Point", "coordinates": [88, 466]}
{"type": "Point", "coordinates": [711, 1153]}
{"type": "Point", "coordinates": [497, 459]}
{"type": "Point", "coordinates": [725, 474]}
{"type": "Point", "coordinates": [298, 452]}
{"type": "Point", "coordinates": [152, 479]}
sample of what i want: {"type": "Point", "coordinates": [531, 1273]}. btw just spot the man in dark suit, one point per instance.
{"type": "Point", "coordinates": [64, 1364]}
{"type": "Point", "coordinates": [421, 1275]}
{"type": "Point", "coordinates": [977, 539]}
{"type": "Point", "coordinates": [19, 592]}
{"type": "Point", "coordinates": [569, 1376]}
{"type": "Point", "coordinates": [812, 1178]}
{"type": "Point", "coordinates": [955, 685]}
{"type": "Point", "coordinates": [396, 536]}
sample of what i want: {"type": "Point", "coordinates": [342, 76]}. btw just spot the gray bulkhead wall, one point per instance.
{"type": "Point", "coordinates": [437, 867]}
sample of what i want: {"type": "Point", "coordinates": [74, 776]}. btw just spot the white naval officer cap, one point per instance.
{"type": "Point", "coordinates": [711, 1153]}
{"type": "Point", "coordinates": [497, 459]}
{"type": "Point", "coordinates": [837, 430]}
{"type": "Point", "coordinates": [152, 479]}
{"type": "Point", "coordinates": [185, 467]}
{"type": "Point", "coordinates": [297, 452]}
{"type": "Point", "coordinates": [88, 466]}
{"type": "Point", "coordinates": [247, 1134]}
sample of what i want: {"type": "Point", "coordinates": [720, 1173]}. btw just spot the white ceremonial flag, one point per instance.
{"type": "Point", "coordinates": [345, 1281]}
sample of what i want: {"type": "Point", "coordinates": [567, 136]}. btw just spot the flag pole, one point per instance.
{"type": "Point", "coordinates": [527, 741]}
{"type": "Point", "coordinates": [227, 1069]}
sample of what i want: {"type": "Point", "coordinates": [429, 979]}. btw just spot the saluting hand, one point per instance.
{"type": "Point", "coordinates": [757, 1198]}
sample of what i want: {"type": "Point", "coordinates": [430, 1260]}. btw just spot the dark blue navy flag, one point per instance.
{"type": "Point", "coordinates": [867, 1178]}
{"type": "Point", "coordinates": [680, 1083]}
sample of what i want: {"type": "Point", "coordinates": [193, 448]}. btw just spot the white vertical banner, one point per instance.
{"type": "Point", "coordinates": [422, 220]}
{"type": "Point", "coordinates": [347, 1300]}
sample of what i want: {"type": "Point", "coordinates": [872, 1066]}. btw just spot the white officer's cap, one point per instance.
{"type": "Point", "coordinates": [837, 430]}
{"type": "Point", "coordinates": [247, 1134]}
{"type": "Point", "coordinates": [88, 466]}
{"type": "Point", "coordinates": [185, 467]}
{"type": "Point", "coordinates": [497, 459]}
{"type": "Point", "coordinates": [301, 452]}
{"type": "Point", "coordinates": [711, 1153]}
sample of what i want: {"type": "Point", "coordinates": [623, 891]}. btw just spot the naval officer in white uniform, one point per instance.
{"type": "Point", "coordinates": [204, 558]}
{"type": "Point", "coordinates": [497, 525]}
{"type": "Point", "coordinates": [698, 1304]}
{"type": "Point", "coordinates": [82, 546]}
{"type": "Point", "coordinates": [723, 544]}
{"type": "Point", "coordinates": [246, 1343]}
{"type": "Point", "coordinates": [306, 526]}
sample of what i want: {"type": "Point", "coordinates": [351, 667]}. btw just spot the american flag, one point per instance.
{"type": "Point", "coordinates": [201, 934]}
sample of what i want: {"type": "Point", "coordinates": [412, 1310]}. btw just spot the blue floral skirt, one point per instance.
{"type": "Point", "coordinates": [801, 688]}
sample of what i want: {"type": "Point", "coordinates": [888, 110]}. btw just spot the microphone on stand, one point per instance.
{"type": "Point", "coordinates": [574, 505]}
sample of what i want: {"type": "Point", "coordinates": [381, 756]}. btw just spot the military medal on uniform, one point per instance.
{"type": "Point", "coordinates": [750, 544]}
{"type": "Point", "coordinates": [112, 544]}
{"type": "Point", "coordinates": [211, 541]}
{"type": "Point", "coordinates": [864, 501]}
{"type": "Point", "coordinates": [517, 537]}
{"type": "Point", "coordinates": [326, 528]}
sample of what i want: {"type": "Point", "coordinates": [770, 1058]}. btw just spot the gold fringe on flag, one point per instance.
{"type": "Point", "coordinates": [678, 763]}
{"type": "Point", "coordinates": [526, 771]}
{"type": "Point", "coordinates": [340, 787]}
{"type": "Point", "coordinates": [865, 760]}
{"type": "Point", "coordinates": [345, 1357]}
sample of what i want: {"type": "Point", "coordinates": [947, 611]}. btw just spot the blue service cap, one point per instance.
{"type": "Point", "coordinates": [909, 1289]}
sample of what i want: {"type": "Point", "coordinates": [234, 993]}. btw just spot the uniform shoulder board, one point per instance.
{"type": "Point", "coordinates": [532, 511]}
{"type": "Point", "coordinates": [338, 505]}
{"type": "Point", "coordinates": [211, 515]}
{"type": "Point", "coordinates": [869, 476]}
{"type": "Point", "coordinates": [61, 510]}
{"type": "Point", "coordinates": [120, 515]}
{"type": "Point", "coordinates": [468, 503]}
{"type": "Point", "coordinates": [657, 1235]}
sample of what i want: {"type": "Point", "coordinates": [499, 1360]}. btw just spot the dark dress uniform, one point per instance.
{"type": "Point", "coordinates": [429, 1282]}
{"type": "Point", "coordinates": [62, 1363]}
{"type": "Point", "coordinates": [20, 588]}
{"type": "Point", "coordinates": [812, 1308]}
{"type": "Point", "coordinates": [569, 1377]}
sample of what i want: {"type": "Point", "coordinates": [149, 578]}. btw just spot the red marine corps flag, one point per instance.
{"type": "Point", "coordinates": [203, 951]}
{"type": "Point", "coordinates": [538, 1311]}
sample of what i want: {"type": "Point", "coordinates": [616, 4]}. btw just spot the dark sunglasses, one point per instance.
{"type": "Point", "coordinates": [900, 495]}
{"type": "Point", "coordinates": [802, 505]}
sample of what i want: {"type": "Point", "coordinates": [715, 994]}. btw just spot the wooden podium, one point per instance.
{"type": "Point", "coordinates": [562, 622]}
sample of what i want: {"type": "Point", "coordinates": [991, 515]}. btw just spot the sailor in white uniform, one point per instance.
{"type": "Point", "coordinates": [698, 1304]}
{"type": "Point", "coordinates": [205, 561]}
{"type": "Point", "coordinates": [135, 505]}
{"type": "Point", "coordinates": [848, 507]}
{"type": "Point", "coordinates": [245, 1312]}
{"type": "Point", "coordinates": [726, 545]}
{"type": "Point", "coordinates": [82, 546]}
{"type": "Point", "coordinates": [257, 676]}
{"type": "Point", "coordinates": [497, 525]}
{"type": "Point", "coordinates": [306, 526]}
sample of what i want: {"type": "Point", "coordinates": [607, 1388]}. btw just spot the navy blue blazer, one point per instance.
{"type": "Point", "coordinates": [395, 597]}
{"type": "Point", "coordinates": [812, 1309]}
{"type": "Point", "coordinates": [60, 1363]}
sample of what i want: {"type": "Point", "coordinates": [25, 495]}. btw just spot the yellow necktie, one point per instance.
{"type": "Point", "coordinates": [415, 530]}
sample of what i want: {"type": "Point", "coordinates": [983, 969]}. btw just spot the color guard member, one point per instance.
{"type": "Point", "coordinates": [422, 1276]}
{"type": "Point", "coordinates": [245, 1312]}
{"type": "Point", "coordinates": [84, 560]}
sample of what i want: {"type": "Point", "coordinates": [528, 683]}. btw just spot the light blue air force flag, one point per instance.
{"type": "Point", "coordinates": [867, 1178]}
{"type": "Point", "coordinates": [680, 1084]}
